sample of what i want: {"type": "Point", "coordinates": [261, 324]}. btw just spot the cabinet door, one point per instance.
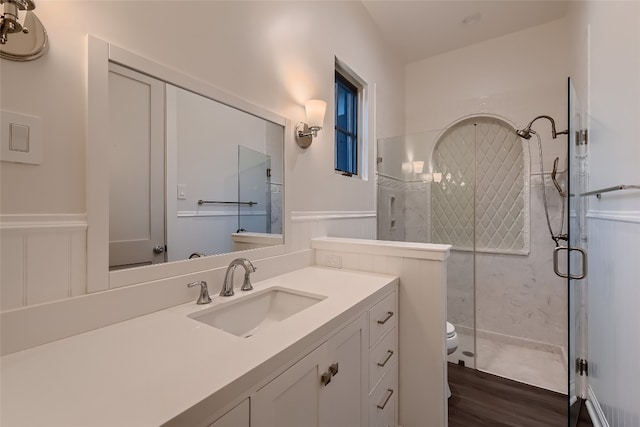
{"type": "Point", "coordinates": [343, 402]}
{"type": "Point", "coordinates": [237, 417]}
{"type": "Point", "coordinates": [293, 398]}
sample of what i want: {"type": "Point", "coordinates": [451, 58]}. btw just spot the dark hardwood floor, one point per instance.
{"type": "Point", "coordinates": [480, 399]}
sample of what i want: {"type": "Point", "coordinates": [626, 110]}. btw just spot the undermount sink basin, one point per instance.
{"type": "Point", "coordinates": [250, 314]}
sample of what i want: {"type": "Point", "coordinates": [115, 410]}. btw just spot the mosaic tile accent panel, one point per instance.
{"type": "Point", "coordinates": [483, 170]}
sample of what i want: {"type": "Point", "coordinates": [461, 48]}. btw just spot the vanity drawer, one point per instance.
{"type": "Point", "coordinates": [383, 401]}
{"type": "Point", "coordinates": [382, 317]}
{"type": "Point", "coordinates": [383, 356]}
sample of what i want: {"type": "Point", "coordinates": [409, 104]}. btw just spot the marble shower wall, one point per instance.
{"type": "Point", "coordinates": [391, 209]}
{"type": "Point", "coordinates": [517, 296]}
{"type": "Point", "coordinates": [520, 295]}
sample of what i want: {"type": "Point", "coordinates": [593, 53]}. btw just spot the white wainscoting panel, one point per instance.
{"type": "Point", "coordinates": [308, 225]}
{"type": "Point", "coordinates": [614, 315]}
{"type": "Point", "coordinates": [43, 258]}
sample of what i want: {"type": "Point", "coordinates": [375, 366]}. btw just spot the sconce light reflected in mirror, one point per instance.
{"type": "Point", "coordinates": [21, 41]}
{"type": "Point", "coordinates": [305, 132]}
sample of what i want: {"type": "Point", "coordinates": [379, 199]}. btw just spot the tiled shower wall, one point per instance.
{"type": "Point", "coordinates": [403, 210]}
{"type": "Point", "coordinates": [517, 296]}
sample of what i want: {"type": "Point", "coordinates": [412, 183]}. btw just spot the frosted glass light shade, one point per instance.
{"type": "Point", "coordinates": [315, 109]}
{"type": "Point", "coordinates": [418, 166]}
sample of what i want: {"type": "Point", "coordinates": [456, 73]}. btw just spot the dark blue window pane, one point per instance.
{"type": "Point", "coordinates": [346, 125]}
{"type": "Point", "coordinates": [342, 102]}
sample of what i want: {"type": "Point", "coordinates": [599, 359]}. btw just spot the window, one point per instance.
{"type": "Point", "coordinates": [346, 145]}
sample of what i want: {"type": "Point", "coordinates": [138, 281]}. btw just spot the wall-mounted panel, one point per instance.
{"type": "Point", "coordinates": [43, 258]}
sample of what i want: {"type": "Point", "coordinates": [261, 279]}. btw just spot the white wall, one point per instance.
{"type": "Point", "coordinates": [273, 54]}
{"type": "Point", "coordinates": [208, 136]}
{"type": "Point", "coordinates": [518, 76]}
{"type": "Point", "coordinates": [606, 67]}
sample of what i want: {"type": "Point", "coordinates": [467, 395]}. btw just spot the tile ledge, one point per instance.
{"type": "Point", "coordinates": [430, 251]}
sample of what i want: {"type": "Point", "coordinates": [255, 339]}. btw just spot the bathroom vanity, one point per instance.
{"type": "Point", "coordinates": [324, 352]}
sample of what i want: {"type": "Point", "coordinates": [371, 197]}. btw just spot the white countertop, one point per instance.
{"type": "Point", "coordinates": [149, 370]}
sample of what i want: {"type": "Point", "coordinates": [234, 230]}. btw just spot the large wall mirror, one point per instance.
{"type": "Point", "coordinates": [192, 171]}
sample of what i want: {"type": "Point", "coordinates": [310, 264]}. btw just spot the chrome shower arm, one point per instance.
{"type": "Point", "coordinates": [554, 133]}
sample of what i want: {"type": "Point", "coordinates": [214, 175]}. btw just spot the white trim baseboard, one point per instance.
{"type": "Point", "coordinates": [309, 216]}
{"type": "Point", "coordinates": [595, 411]}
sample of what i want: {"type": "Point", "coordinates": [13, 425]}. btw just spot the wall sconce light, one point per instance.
{"type": "Point", "coordinates": [418, 166]}
{"type": "Point", "coordinates": [305, 132]}
{"type": "Point", "coordinates": [407, 167]}
{"type": "Point", "coordinates": [21, 41]}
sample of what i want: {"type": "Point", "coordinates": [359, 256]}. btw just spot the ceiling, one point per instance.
{"type": "Point", "coordinates": [419, 29]}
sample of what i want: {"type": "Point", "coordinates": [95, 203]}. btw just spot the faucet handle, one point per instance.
{"type": "Point", "coordinates": [204, 297]}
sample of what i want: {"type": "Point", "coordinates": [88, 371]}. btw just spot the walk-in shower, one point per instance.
{"type": "Point", "coordinates": [472, 185]}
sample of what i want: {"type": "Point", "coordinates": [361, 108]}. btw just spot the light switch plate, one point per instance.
{"type": "Point", "coordinates": [182, 192]}
{"type": "Point", "coordinates": [21, 138]}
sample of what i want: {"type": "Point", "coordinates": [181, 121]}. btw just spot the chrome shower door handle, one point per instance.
{"type": "Point", "coordinates": [583, 257]}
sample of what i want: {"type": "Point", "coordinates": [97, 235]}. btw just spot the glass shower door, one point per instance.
{"type": "Point", "coordinates": [576, 261]}
{"type": "Point", "coordinates": [254, 191]}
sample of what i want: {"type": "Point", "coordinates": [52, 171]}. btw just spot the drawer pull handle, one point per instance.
{"type": "Point", "coordinates": [386, 319]}
{"type": "Point", "coordinates": [325, 379]}
{"type": "Point", "coordinates": [384, 362]}
{"type": "Point", "coordinates": [387, 399]}
{"type": "Point", "coordinates": [333, 369]}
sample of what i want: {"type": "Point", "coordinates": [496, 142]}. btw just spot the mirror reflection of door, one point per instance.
{"type": "Point", "coordinates": [254, 191]}
{"type": "Point", "coordinates": [136, 169]}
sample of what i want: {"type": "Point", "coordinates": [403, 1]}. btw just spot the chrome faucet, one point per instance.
{"type": "Point", "coordinates": [227, 286]}
{"type": "Point", "coordinates": [204, 297]}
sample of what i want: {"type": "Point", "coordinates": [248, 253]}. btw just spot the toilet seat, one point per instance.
{"type": "Point", "coordinates": [451, 330]}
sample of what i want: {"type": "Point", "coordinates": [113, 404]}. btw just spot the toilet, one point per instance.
{"type": "Point", "coordinates": [452, 346]}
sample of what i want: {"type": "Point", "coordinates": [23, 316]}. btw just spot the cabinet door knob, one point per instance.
{"type": "Point", "coordinates": [333, 369]}
{"type": "Point", "coordinates": [390, 391]}
{"type": "Point", "coordinates": [386, 319]}
{"type": "Point", "coordinates": [325, 378]}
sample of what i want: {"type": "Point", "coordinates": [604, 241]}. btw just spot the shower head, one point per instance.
{"type": "Point", "coordinates": [527, 131]}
